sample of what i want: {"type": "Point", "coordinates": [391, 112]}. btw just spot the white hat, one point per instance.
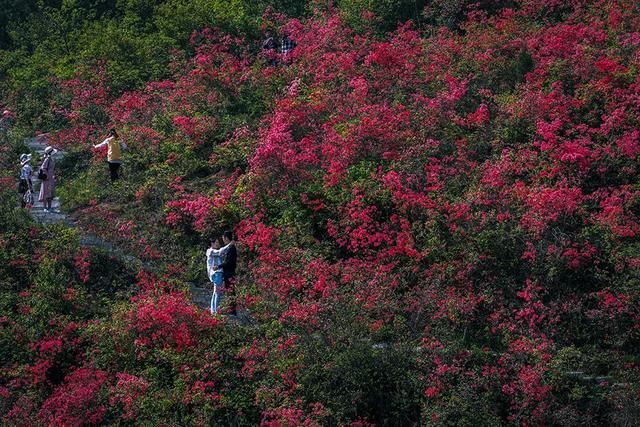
{"type": "Point", "coordinates": [50, 150]}
{"type": "Point", "coordinates": [25, 158]}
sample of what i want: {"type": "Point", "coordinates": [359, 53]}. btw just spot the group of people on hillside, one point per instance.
{"type": "Point", "coordinates": [221, 270]}
{"type": "Point", "coordinates": [221, 258]}
{"type": "Point", "coordinates": [46, 172]}
{"type": "Point", "coordinates": [271, 46]}
{"type": "Point", "coordinates": [46, 175]}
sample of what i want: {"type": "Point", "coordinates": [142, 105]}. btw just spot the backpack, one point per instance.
{"type": "Point", "coordinates": [23, 186]}
{"type": "Point", "coordinates": [28, 198]}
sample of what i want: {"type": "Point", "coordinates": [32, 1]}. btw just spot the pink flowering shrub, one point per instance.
{"type": "Point", "coordinates": [76, 401]}
{"type": "Point", "coordinates": [127, 392]}
{"type": "Point", "coordinates": [168, 322]}
{"type": "Point", "coordinates": [434, 227]}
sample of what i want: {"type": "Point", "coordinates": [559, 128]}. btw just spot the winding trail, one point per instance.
{"type": "Point", "coordinates": [200, 295]}
{"type": "Point", "coordinates": [38, 144]}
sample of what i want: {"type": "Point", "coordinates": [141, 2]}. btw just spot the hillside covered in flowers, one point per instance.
{"type": "Point", "coordinates": [436, 205]}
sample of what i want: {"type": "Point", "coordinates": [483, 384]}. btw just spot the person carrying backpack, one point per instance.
{"type": "Point", "coordinates": [25, 186]}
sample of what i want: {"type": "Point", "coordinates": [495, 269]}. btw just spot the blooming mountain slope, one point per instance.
{"type": "Point", "coordinates": [435, 227]}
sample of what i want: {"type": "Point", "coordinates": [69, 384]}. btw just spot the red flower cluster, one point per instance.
{"type": "Point", "coordinates": [467, 196]}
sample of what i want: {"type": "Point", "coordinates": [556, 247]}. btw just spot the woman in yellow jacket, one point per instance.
{"type": "Point", "coordinates": [114, 152]}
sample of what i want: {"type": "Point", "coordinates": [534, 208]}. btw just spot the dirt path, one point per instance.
{"type": "Point", "coordinates": [200, 295]}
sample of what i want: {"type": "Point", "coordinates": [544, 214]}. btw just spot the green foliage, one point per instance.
{"type": "Point", "coordinates": [431, 325]}
{"type": "Point", "coordinates": [386, 13]}
{"type": "Point", "coordinates": [177, 19]}
{"type": "Point", "coordinates": [363, 377]}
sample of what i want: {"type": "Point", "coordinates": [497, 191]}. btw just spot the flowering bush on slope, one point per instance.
{"type": "Point", "coordinates": [435, 228]}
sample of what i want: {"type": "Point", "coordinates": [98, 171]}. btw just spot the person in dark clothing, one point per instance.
{"type": "Point", "coordinates": [229, 269]}
{"type": "Point", "coordinates": [270, 44]}
{"type": "Point", "coordinates": [231, 257]}
{"type": "Point", "coordinates": [270, 49]}
{"type": "Point", "coordinates": [286, 47]}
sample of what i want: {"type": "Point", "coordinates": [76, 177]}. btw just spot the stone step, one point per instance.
{"type": "Point", "coordinates": [203, 303]}
{"type": "Point", "coordinates": [96, 242]}
{"type": "Point", "coordinates": [40, 139]}
{"type": "Point", "coordinates": [49, 218]}
{"type": "Point", "coordinates": [55, 203]}
{"type": "Point", "coordinates": [205, 293]}
{"type": "Point", "coordinates": [39, 143]}
{"type": "Point", "coordinates": [200, 295]}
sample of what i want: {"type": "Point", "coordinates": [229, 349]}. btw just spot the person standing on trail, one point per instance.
{"type": "Point", "coordinates": [229, 269]}
{"type": "Point", "coordinates": [114, 152]}
{"type": "Point", "coordinates": [47, 177]}
{"type": "Point", "coordinates": [215, 256]}
{"type": "Point", "coordinates": [25, 186]}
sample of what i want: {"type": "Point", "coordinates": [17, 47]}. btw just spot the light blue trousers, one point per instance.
{"type": "Point", "coordinates": [216, 297]}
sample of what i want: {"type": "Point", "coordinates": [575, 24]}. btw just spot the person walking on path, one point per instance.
{"type": "Point", "coordinates": [229, 269]}
{"type": "Point", "coordinates": [215, 256]}
{"type": "Point", "coordinates": [47, 176]}
{"type": "Point", "coordinates": [25, 186]}
{"type": "Point", "coordinates": [114, 152]}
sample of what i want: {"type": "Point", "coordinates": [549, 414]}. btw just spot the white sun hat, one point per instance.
{"type": "Point", "coordinates": [50, 150]}
{"type": "Point", "coordinates": [25, 158]}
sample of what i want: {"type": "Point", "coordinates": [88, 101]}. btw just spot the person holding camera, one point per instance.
{"type": "Point", "coordinates": [47, 177]}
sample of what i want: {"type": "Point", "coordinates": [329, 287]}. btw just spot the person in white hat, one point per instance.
{"type": "Point", "coordinates": [47, 175]}
{"type": "Point", "coordinates": [25, 185]}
